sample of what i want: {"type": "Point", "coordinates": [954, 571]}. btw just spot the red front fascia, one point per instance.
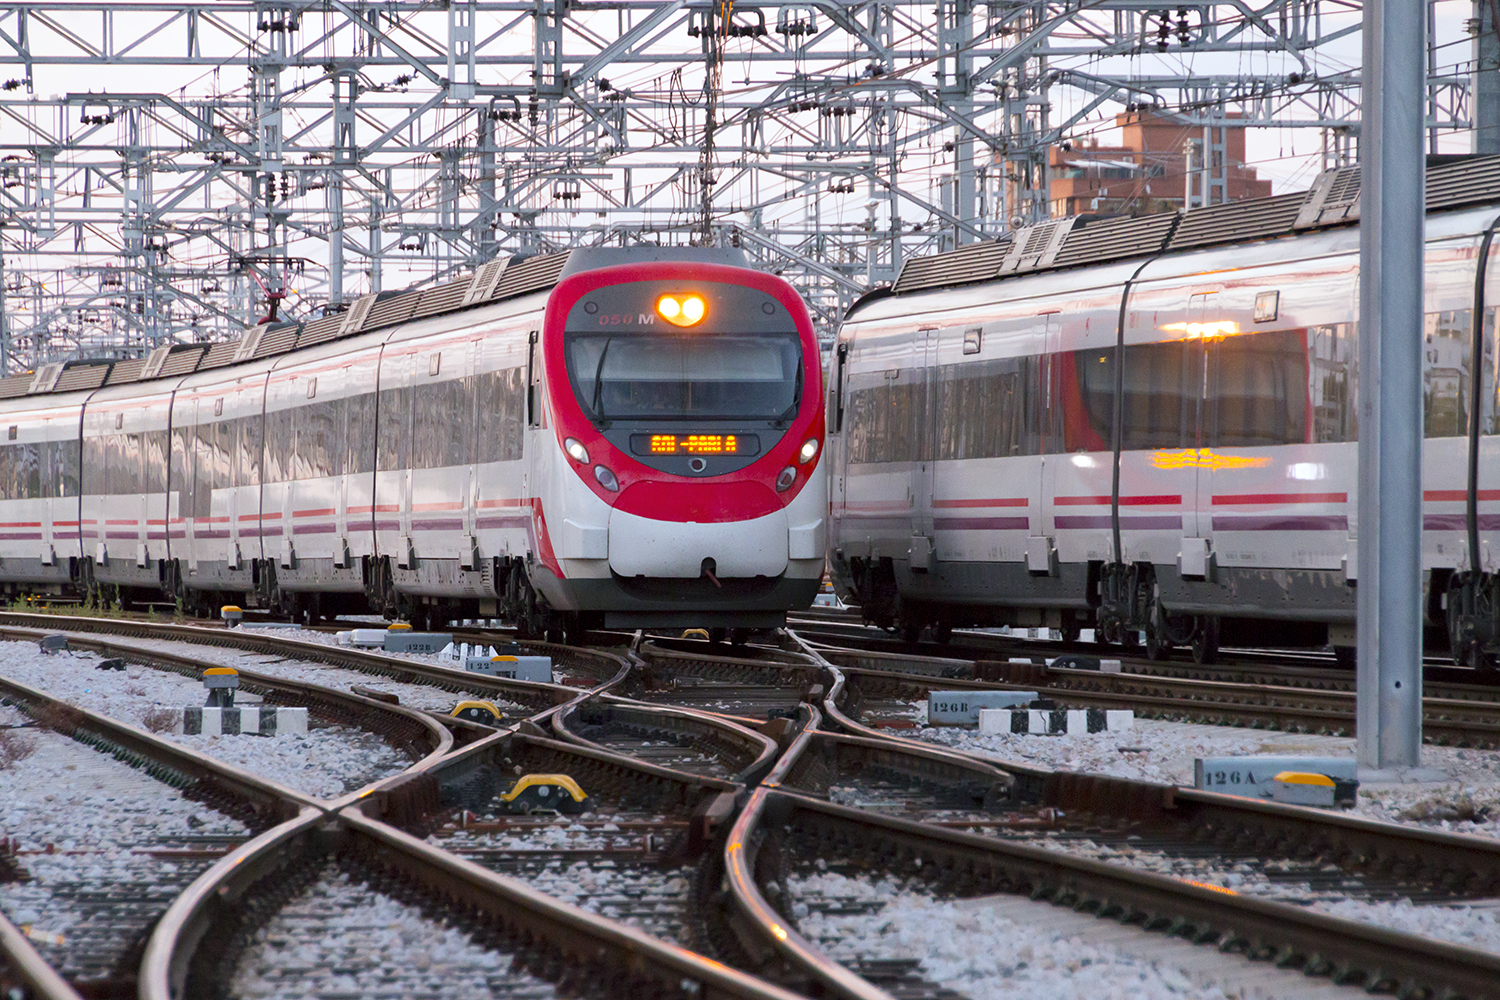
{"type": "Point", "coordinates": [735, 496]}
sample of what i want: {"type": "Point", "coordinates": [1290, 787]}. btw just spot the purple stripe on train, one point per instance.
{"type": "Point", "coordinates": [516, 521]}
{"type": "Point", "coordinates": [440, 524]}
{"type": "Point", "coordinates": [1145, 522]}
{"type": "Point", "coordinates": [981, 523]}
{"type": "Point", "coordinates": [1457, 522]}
{"type": "Point", "coordinates": [1282, 522]}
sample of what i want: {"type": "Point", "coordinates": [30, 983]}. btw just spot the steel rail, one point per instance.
{"type": "Point", "coordinates": [1349, 950]}
{"type": "Point", "coordinates": [1443, 857]}
{"type": "Point", "coordinates": [747, 753]}
{"type": "Point", "coordinates": [164, 760]}
{"type": "Point", "coordinates": [1449, 721]}
{"type": "Point", "coordinates": [418, 734]}
{"type": "Point", "coordinates": [769, 936]}
{"type": "Point", "coordinates": [25, 972]}
{"type": "Point", "coordinates": [381, 664]}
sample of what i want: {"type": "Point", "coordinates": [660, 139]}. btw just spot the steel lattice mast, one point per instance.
{"type": "Point", "coordinates": [171, 171]}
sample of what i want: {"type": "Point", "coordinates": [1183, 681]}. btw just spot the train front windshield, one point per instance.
{"type": "Point", "coordinates": [631, 376]}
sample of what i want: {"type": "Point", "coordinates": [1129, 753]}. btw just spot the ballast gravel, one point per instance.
{"type": "Point", "coordinates": [983, 954]}
{"type": "Point", "coordinates": [323, 762]}
{"type": "Point", "coordinates": [422, 697]}
{"type": "Point", "coordinates": [1465, 800]}
{"type": "Point", "coordinates": [78, 821]}
{"type": "Point", "coordinates": [339, 939]}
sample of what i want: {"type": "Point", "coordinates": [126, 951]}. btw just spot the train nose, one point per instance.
{"type": "Point", "coordinates": [726, 550]}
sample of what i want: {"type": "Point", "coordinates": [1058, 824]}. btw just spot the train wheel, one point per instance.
{"type": "Point", "coordinates": [1206, 640]}
{"type": "Point", "coordinates": [1157, 646]}
{"type": "Point", "coordinates": [909, 631]}
{"type": "Point", "coordinates": [717, 636]}
{"type": "Point", "coordinates": [942, 632]}
{"type": "Point", "coordinates": [739, 636]}
{"type": "Point", "coordinates": [1070, 630]}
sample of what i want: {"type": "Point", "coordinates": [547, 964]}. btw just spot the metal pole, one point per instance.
{"type": "Point", "coordinates": [1486, 85]}
{"type": "Point", "coordinates": [1392, 213]}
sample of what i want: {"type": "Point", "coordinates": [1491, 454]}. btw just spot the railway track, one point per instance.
{"type": "Point", "coordinates": [326, 863]}
{"type": "Point", "coordinates": [670, 746]}
{"type": "Point", "coordinates": [888, 680]}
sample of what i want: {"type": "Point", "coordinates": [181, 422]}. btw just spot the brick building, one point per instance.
{"type": "Point", "coordinates": [1149, 171]}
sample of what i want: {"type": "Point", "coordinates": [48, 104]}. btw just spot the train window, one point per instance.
{"type": "Point", "coordinates": [1489, 413]}
{"type": "Point", "coordinates": [276, 448]}
{"type": "Point", "coordinates": [1161, 386]}
{"type": "Point", "coordinates": [1162, 389]}
{"type": "Point", "coordinates": [359, 439]}
{"type": "Point", "coordinates": [155, 460]}
{"type": "Point", "coordinates": [835, 416]}
{"type": "Point", "coordinates": [249, 442]}
{"type": "Point", "coordinates": [219, 407]}
{"type": "Point", "coordinates": [1259, 395]}
{"type": "Point", "coordinates": [1267, 306]}
{"type": "Point", "coordinates": [972, 340]}
{"type": "Point", "coordinates": [986, 409]}
{"type": "Point", "coordinates": [675, 377]}
{"type": "Point", "coordinates": [395, 429]}
{"type": "Point", "coordinates": [11, 434]}
{"type": "Point", "coordinates": [119, 420]}
{"type": "Point", "coordinates": [533, 400]}
{"type": "Point", "coordinates": [312, 388]}
{"type": "Point", "coordinates": [435, 363]}
{"type": "Point", "coordinates": [1331, 352]}
{"type": "Point", "coordinates": [1447, 354]}
{"type": "Point", "coordinates": [501, 415]}
{"type": "Point", "coordinates": [181, 470]}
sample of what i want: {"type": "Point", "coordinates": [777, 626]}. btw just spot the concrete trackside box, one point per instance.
{"type": "Point", "coordinates": [1245, 775]}
{"type": "Point", "coordinates": [961, 708]}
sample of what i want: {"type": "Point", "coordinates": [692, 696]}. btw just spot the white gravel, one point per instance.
{"type": "Point", "coordinates": [983, 954]}
{"type": "Point", "coordinates": [80, 816]}
{"type": "Point", "coordinates": [340, 939]}
{"type": "Point", "coordinates": [422, 697]}
{"type": "Point", "coordinates": [324, 762]}
{"type": "Point", "coordinates": [1467, 800]}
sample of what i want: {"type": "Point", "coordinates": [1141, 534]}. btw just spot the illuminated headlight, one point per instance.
{"type": "Point", "coordinates": [681, 310]}
{"type": "Point", "coordinates": [809, 451]}
{"type": "Point", "coordinates": [786, 479]}
{"type": "Point", "coordinates": [575, 448]}
{"type": "Point", "coordinates": [606, 479]}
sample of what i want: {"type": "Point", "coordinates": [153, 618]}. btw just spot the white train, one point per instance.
{"type": "Point", "coordinates": [978, 478]}
{"type": "Point", "coordinates": [606, 437]}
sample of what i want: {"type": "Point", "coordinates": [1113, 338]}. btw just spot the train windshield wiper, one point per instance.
{"type": "Point", "coordinates": [597, 403]}
{"type": "Point", "coordinates": [791, 411]}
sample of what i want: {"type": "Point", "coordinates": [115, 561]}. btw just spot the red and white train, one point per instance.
{"type": "Point", "coordinates": [600, 438]}
{"type": "Point", "coordinates": [978, 477]}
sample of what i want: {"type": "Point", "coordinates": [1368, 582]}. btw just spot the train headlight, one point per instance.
{"type": "Point", "coordinates": [809, 451]}
{"type": "Point", "coordinates": [786, 479]}
{"type": "Point", "coordinates": [606, 478]}
{"type": "Point", "coordinates": [682, 310]}
{"type": "Point", "coordinates": [575, 448]}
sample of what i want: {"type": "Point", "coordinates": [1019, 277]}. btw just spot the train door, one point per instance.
{"type": "Point", "coordinates": [1047, 440]}
{"type": "Point", "coordinates": [468, 555]}
{"type": "Point", "coordinates": [51, 470]}
{"type": "Point", "coordinates": [1204, 327]}
{"type": "Point", "coordinates": [922, 418]}
{"type": "Point", "coordinates": [839, 459]}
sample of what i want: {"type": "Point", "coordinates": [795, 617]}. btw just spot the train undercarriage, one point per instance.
{"type": "Point", "coordinates": [1139, 608]}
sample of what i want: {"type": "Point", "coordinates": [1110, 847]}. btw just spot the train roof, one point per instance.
{"type": "Point", "coordinates": [500, 279]}
{"type": "Point", "coordinates": [1084, 240]}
